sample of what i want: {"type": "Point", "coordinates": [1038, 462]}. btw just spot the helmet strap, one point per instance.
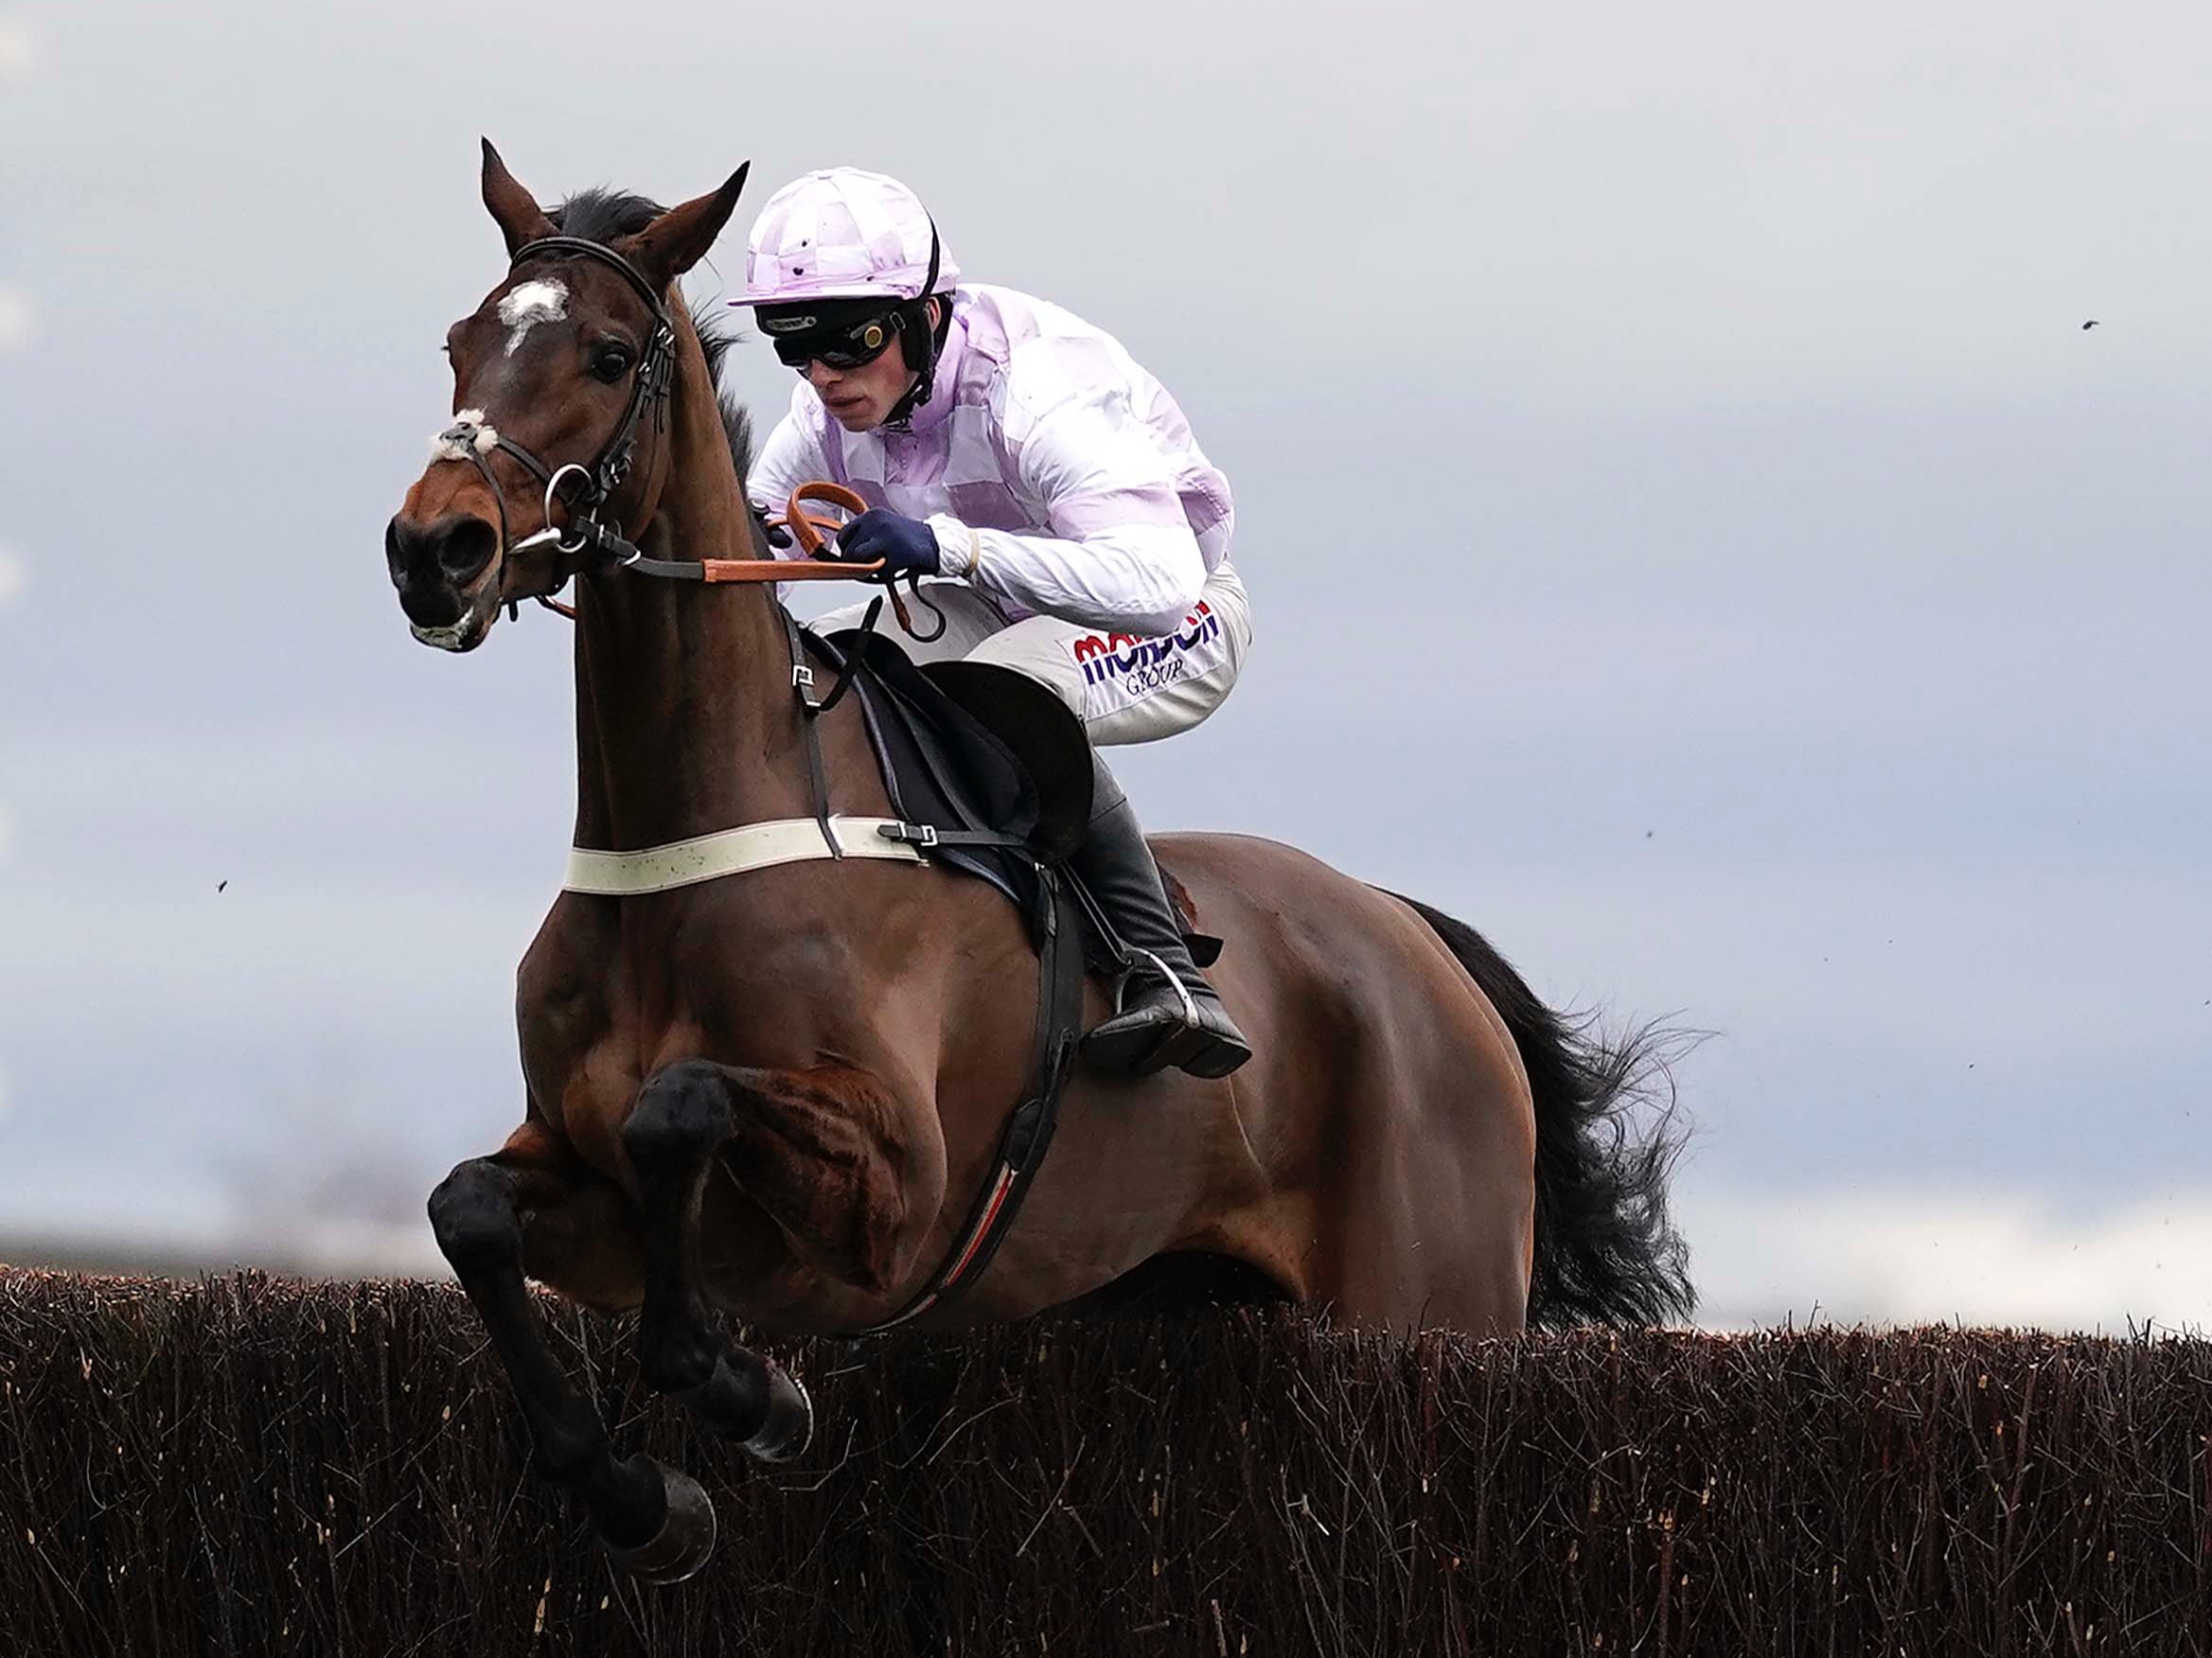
{"type": "Point", "coordinates": [918, 340]}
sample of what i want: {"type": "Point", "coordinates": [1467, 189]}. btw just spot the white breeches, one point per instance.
{"type": "Point", "coordinates": [1125, 689]}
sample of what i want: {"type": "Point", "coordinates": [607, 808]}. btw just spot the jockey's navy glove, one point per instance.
{"type": "Point", "coordinates": [906, 546]}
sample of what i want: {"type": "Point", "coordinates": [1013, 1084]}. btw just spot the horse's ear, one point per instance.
{"type": "Point", "coordinates": [520, 220]}
{"type": "Point", "coordinates": [680, 238]}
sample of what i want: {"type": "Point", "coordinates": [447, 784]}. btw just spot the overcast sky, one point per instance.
{"type": "Point", "coordinates": [1690, 536]}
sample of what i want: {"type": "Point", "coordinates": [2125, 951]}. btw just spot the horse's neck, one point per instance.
{"type": "Point", "coordinates": [686, 718]}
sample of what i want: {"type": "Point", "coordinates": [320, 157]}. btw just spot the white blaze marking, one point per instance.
{"type": "Point", "coordinates": [528, 304]}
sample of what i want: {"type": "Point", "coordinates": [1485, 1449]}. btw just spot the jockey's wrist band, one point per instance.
{"type": "Point", "coordinates": [960, 550]}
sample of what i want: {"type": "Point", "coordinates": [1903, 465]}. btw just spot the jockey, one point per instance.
{"type": "Point", "coordinates": [1079, 533]}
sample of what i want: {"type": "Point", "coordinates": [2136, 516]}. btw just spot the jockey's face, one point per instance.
{"type": "Point", "coordinates": [859, 399]}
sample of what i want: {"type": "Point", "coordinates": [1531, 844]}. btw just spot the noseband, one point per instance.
{"type": "Point", "coordinates": [582, 489]}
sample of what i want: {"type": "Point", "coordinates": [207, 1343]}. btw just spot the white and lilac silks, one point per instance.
{"type": "Point", "coordinates": [1087, 531]}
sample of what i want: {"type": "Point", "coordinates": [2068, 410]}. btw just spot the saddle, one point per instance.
{"type": "Point", "coordinates": [982, 753]}
{"type": "Point", "coordinates": [987, 758]}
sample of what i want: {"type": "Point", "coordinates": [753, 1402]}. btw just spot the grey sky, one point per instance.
{"type": "Point", "coordinates": [1691, 537]}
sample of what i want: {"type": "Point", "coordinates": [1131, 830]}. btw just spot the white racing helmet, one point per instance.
{"type": "Point", "coordinates": [845, 232]}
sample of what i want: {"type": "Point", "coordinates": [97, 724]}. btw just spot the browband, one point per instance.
{"type": "Point", "coordinates": [599, 251]}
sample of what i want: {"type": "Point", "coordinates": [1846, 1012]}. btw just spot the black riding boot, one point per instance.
{"type": "Point", "coordinates": [1169, 1015]}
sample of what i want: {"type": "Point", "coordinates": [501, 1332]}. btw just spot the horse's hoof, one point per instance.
{"type": "Point", "coordinates": [686, 1537]}
{"type": "Point", "coordinates": [790, 1427]}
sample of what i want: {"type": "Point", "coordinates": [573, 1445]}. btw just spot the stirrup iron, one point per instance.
{"type": "Point", "coordinates": [1174, 979]}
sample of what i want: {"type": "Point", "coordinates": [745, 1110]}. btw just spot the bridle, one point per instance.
{"type": "Point", "coordinates": [472, 438]}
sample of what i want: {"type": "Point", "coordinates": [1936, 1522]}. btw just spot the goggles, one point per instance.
{"type": "Point", "coordinates": [808, 334]}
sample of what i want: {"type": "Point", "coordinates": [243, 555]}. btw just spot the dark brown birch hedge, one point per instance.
{"type": "Point", "coordinates": [250, 1466]}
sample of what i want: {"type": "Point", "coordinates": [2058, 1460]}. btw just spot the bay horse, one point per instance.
{"type": "Point", "coordinates": [778, 1092]}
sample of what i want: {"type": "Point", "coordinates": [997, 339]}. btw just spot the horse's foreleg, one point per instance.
{"type": "Point", "coordinates": [654, 1520]}
{"type": "Point", "coordinates": [684, 1116]}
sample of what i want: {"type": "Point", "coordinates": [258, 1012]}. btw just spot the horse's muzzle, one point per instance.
{"type": "Point", "coordinates": [435, 569]}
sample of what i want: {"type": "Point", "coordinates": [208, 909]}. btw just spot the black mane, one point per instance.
{"type": "Point", "coordinates": [605, 215]}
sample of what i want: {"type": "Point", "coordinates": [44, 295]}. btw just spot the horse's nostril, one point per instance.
{"type": "Point", "coordinates": [452, 551]}
{"type": "Point", "coordinates": [465, 546]}
{"type": "Point", "coordinates": [398, 551]}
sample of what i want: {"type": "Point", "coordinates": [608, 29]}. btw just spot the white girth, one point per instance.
{"type": "Point", "coordinates": [707, 858]}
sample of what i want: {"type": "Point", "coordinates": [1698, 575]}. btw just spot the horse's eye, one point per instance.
{"type": "Point", "coordinates": [609, 363]}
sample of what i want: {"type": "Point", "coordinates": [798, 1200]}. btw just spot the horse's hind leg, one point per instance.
{"type": "Point", "coordinates": [683, 1116]}
{"type": "Point", "coordinates": [654, 1520]}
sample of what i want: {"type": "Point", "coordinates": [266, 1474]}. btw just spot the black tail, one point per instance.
{"type": "Point", "coordinates": [1606, 1249]}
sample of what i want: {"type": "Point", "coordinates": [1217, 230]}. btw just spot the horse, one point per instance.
{"type": "Point", "coordinates": [778, 1093]}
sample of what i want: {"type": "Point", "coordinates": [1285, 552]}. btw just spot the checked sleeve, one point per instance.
{"type": "Point", "coordinates": [1120, 555]}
